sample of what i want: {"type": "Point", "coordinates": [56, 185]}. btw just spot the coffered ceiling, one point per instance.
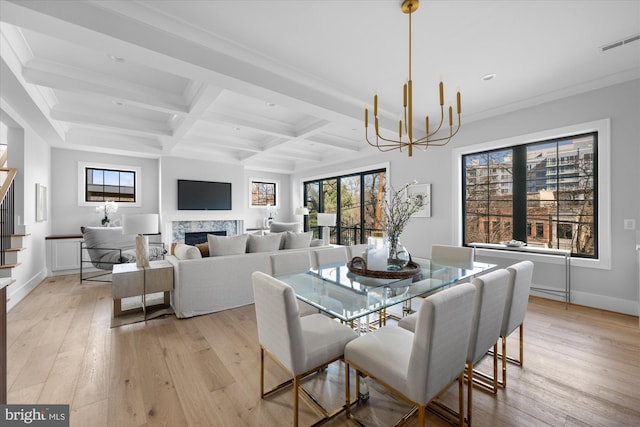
{"type": "Point", "coordinates": [280, 85]}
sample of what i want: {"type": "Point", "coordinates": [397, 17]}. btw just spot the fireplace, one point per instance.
{"type": "Point", "coordinates": [193, 238]}
{"type": "Point", "coordinates": [201, 228]}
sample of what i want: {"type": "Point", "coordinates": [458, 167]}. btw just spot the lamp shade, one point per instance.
{"type": "Point", "coordinates": [326, 219]}
{"type": "Point", "coordinates": [302, 211]}
{"type": "Point", "coordinates": [140, 224]}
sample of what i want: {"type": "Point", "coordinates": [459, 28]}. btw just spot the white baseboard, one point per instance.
{"type": "Point", "coordinates": [17, 294]}
{"type": "Point", "coordinates": [602, 302]}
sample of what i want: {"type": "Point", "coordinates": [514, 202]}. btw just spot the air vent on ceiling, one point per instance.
{"type": "Point", "coordinates": [618, 43]}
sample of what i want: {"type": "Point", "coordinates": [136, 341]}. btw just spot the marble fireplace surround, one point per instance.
{"type": "Point", "coordinates": [178, 228]}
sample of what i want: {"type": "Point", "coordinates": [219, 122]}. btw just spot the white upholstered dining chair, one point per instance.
{"type": "Point", "coordinates": [457, 256]}
{"type": "Point", "coordinates": [300, 345]}
{"type": "Point", "coordinates": [515, 310]}
{"type": "Point", "coordinates": [329, 256]}
{"type": "Point", "coordinates": [293, 262]}
{"type": "Point", "coordinates": [418, 366]}
{"type": "Point", "coordinates": [488, 310]}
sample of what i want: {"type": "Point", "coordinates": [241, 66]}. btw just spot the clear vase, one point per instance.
{"type": "Point", "coordinates": [398, 255]}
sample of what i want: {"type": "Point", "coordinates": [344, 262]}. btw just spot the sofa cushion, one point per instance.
{"type": "Point", "coordinates": [182, 251]}
{"type": "Point", "coordinates": [279, 227]}
{"type": "Point", "coordinates": [297, 240]}
{"type": "Point", "coordinates": [227, 245]}
{"type": "Point", "coordinates": [203, 248]}
{"type": "Point", "coordinates": [266, 243]}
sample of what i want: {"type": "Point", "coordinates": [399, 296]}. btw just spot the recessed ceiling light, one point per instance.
{"type": "Point", "coordinates": [270, 104]}
{"type": "Point", "coordinates": [236, 129]}
{"type": "Point", "coordinates": [118, 103]}
{"type": "Point", "coordinates": [115, 58]}
{"type": "Point", "coordinates": [488, 77]}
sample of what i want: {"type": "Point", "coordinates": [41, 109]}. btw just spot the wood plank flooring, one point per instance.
{"type": "Point", "coordinates": [582, 368]}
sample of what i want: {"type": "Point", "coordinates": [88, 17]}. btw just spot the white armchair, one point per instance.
{"type": "Point", "coordinates": [301, 345]}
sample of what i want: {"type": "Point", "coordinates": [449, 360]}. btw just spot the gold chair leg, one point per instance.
{"type": "Point", "coordinates": [521, 344]}
{"type": "Point", "coordinates": [461, 399]}
{"type": "Point", "coordinates": [295, 401]}
{"type": "Point", "coordinates": [347, 399]}
{"type": "Point", "coordinates": [261, 372]}
{"type": "Point", "coordinates": [469, 392]}
{"type": "Point", "coordinates": [504, 362]}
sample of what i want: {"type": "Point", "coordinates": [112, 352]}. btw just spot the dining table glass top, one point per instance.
{"type": "Point", "coordinates": [348, 296]}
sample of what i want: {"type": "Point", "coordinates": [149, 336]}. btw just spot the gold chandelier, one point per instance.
{"type": "Point", "coordinates": [405, 124]}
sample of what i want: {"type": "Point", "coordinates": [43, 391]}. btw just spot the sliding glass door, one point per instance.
{"type": "Point", "coordinates": [356, 199]}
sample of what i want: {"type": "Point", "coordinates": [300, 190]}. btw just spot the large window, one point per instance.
{"type": "Point", "coordinates": [543, 193]}
{"type": "Point", "coordinates": [356, 199]}
{"type": "Point", "coordinates": [99, 183]}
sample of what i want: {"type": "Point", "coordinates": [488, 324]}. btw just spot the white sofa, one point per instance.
{"type": "Point", "coordinates": [212, 284]}
{"type": "Point", "coordinates": [221, 279]}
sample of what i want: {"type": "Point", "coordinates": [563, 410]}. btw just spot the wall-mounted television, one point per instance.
{"type": "Point", "coordinates": [204, 195]}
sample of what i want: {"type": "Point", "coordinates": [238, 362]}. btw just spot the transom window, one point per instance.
{"type": "Point", "coordinates": [543, 193]}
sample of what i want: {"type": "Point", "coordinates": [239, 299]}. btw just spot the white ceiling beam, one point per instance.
{"type": "Point", "coordinates": [71, 79]}
{"type": "Point", "coordinates": [134, 127]}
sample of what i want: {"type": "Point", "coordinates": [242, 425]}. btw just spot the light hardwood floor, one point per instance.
{"type": "Point", "coordinates": [582, 368]}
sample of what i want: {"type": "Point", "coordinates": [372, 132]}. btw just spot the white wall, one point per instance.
{"type": "Point", "coordinates": [66, 214]}
{"type": "Point", "coordinates": [31, 155]}
{"type": "Point", "coordinates": [254, 216]}
{"type": "Point", "coordinates": [615, 289]}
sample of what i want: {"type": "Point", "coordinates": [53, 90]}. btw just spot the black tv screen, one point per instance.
{"type": "Point", "coordinates": [204, 195]}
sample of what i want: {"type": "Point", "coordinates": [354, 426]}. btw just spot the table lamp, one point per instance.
{"type": "Point", "coordinates": [141, 224]}
{"type": "Point", "coordinates": [304, 212]}
{"type": "Point", "coordinates": [326, 220]}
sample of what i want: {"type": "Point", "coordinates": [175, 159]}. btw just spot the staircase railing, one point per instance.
{"type": "Point", "coordinates": [7, 210]}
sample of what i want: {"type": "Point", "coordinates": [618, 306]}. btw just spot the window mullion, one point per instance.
{"type": "Point", "coordinates": [519, 218]}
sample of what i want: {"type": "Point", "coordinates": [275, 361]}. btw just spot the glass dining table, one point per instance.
{"type": "Point", "coordinates": [348, 296]}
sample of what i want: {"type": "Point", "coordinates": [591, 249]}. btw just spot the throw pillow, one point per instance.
{"type": "Point", "coordinates": [297, 240]}
{"type": "Point", "coordinates": [266, 243]}
{"type": "Point", "coordinates": [203, 248]}
{"type": "Point", "coordinates": [182, 251]}
{"type": "Point", "coordinates": [227, 245]}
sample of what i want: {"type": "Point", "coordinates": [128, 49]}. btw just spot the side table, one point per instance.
{"type": "Point", "coordinates": [130, 280]}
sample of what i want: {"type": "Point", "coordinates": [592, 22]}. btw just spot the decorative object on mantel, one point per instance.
{"type": "Point", "coordinates": [405, 124]}
{"type": "Point", "coordinates": [141, 224]}
{"type": "Point", "coordinates": [271, 210]}
{"type": "Point", "coordinates": [326, 220]}
{"type": "Point", "coordinates": [359, 266]}
{"type": "Point", "coordinates": [402, 205]}
{"type": "Point", "coordinates": [107, 209]}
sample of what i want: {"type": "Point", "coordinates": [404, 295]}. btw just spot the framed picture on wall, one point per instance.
{"type": "Point", "coordinates": [41, 203]}
{"type": "Point", "coordinates": [423, 191]}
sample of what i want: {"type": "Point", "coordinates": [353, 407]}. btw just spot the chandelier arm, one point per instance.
{"type": "Point", "coordinates": [393, 144]}
{"type": "Point", "coordinates": [448, 138]}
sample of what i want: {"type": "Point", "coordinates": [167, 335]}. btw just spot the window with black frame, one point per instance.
{"type": "Point", "coordinates": [356, 199]}
{"type": "Point", "coordinates": [543, 193]}
{"type": "Point", "coordinates": [104, 185]}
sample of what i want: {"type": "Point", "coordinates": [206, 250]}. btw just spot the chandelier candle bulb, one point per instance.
{"type": "Point", "coordinates": [404, 102]}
